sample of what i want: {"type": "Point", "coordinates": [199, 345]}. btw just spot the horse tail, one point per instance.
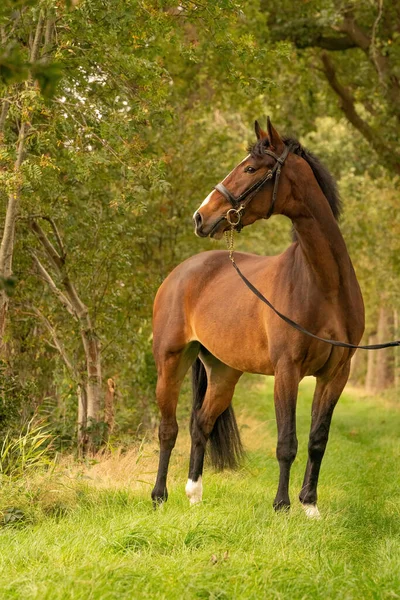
{"type": "Point", "coordinates": [226, 449]}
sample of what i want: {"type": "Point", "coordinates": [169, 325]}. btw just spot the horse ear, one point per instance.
{"type": "Point", "coordinates": [259, 132]}
{"type": "Point", "coordinates": [273, 136]}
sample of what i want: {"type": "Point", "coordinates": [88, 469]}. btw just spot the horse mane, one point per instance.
{"type": "Point", "coordinates": [325, 180]}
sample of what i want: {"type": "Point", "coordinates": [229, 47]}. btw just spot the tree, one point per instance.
{"type": "Point", "coordinates": [355, 47]}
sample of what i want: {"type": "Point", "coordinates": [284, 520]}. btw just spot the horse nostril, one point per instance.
{"type": "Point", "coordinates": [198, 219]}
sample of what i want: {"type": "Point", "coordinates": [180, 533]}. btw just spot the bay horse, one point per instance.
{"type": "Point", "coordinates": [206, 318]}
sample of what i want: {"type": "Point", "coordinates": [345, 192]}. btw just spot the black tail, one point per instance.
{"type": "Point", "coordinates": [226, 450]}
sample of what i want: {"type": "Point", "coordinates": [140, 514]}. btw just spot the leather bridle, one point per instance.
{"type": "Point", "coordinates": [238, 206]}
{"type": "Point", "coordinates": [239, 203]}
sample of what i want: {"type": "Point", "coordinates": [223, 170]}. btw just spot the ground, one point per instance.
{"type": "Point", "coordinates": [91, 532]}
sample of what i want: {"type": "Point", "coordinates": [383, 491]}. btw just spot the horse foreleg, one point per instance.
{"type": "Point", "coordinates": [171, 372]}
{"type": "Point", "coordinates": [285, 397]}
{"type": "Point", "coordinates": [221, 381]}
{"type": "Point", "coordinates": [326, 395]}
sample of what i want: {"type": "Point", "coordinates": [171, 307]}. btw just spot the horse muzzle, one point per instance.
{"type": "Point", "coordinates": [203, 229]}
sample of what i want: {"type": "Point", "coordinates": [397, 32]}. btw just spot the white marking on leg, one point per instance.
{"type": "Point", "coordinates": [311, 511]}
{"type": "Point", "coordinates": [194, 490]}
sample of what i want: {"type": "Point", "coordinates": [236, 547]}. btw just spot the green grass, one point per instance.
{"type": "Point", "coordinates": [92, 534]}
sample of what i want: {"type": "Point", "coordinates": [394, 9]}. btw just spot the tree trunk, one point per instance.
{"type": "Point", "coordinates": [8, 238]}
{"type": "Point", "coordinates": [82, 420]}
{"type": "Point", "coordinates": [109, 411]}
{"type": "Point", "coordinates": [384, 361]}
{"type": "Point", "coordinates": [370, 380]}
{"type": "Point", "coordinates": [93, 388]}
{"type": "Point", "coordinates": [89, 409]}
{"type": "Point", "coordinates": [396, 351]}
{"type": "Point", "coordinates": [358, 367]}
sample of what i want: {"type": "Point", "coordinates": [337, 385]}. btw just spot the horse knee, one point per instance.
{"type": "Point", "coordinates": [286, 450]}
{"type": "Point", "coordinates": [167, 434]}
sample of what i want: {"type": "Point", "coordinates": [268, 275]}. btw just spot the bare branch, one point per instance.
{"type": "Point", "coordinates": [7, 242]}
{"type": "Point", "coordinates": [373, 49]}
{"type": "Point", "coordinates": [36, 42]}
{"type": "Point", "coordinates": [5, 105]}
{"type": "Point", "coordinates": [48, 279]}
{"type": "Point", "coordinates": [57, 343]}
{"type": "Point", "coordinates": [23, 132]}
{"type": "Point", "coordinates": [325, 42]}
{"type": "Point", "coordinates": [51, 252]}
{"type": "Point", "coordinates": [79, 308]}
{"type": "Point", "coordinates": [350, 27]}
{"type": "Point", "coordinates": [61, 248]}
{"type": "Point", "coordinates": [48, 34]}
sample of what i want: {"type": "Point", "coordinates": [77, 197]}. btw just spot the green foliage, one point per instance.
{"type": "Point", "coordinates": [134, 110]}
{"type": "Point", "coordinates": [16, 399]}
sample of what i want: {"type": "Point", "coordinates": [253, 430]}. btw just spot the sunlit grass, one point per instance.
{"type": "Point", "coordinates": [90, 532]}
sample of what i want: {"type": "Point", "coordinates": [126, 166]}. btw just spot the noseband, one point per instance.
{"type": "Point", "coordinates": [234, 214]}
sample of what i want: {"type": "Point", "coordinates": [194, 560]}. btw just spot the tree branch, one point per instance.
{"type": "Point", "coordinates": [61, 248]}
{"type": "Point", "coordinates": [79, 308]}
{"type": "Point", "coordinates": [350, 27]}
{"type": "Point", "coordinates": [48, 279]}
{"type": "Point", "coordinates": [57, 344]}
{"type": "Point", "coordinates": [36, 41]}
{"type": "Point", "coordinates": [5, 105]}
{"type": "Point", "coordinates": [55, 258]}
{"type": "Point", "coordinates": [347, 104]}
{"type": "Point", "coordinates": [7, 242]}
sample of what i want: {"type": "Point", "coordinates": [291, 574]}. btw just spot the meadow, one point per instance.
{"type": "Point", "coordinates": [89, 531]}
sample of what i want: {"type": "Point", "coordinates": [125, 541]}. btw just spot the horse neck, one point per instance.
{"type": "Point", "coordinates": [320, 241]}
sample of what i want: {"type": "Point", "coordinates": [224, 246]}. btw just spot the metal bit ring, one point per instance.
{"type": "Point", "coordinates": [231, 212]}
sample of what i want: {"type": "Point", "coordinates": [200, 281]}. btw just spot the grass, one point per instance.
{"type": "Point", "coordinates": [89, 532]}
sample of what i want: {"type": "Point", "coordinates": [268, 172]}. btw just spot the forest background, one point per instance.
{"type": "Point", "coordinates": [117, 118]}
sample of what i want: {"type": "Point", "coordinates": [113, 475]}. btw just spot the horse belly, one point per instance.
{"type": "Point", "coordinates": [237, 339]}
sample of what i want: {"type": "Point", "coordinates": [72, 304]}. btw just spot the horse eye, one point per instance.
{"type": "Point", "coordinates": [250, 170]}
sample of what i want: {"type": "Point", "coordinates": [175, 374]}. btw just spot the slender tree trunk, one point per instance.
{"type": "Point", "coordinates": [82, 420]}
{"type": "Point", "coordinates": [370, 380]}
{"type": "Point", "coordinates": [109, 410]}
{"type": "Point", "coordinates": [8, 238]}
{"type": "Point", "coordinates": [89, 402]}
{"type": "Point", "coordinates": [357, 367]}
{"type": "Point", "coordinates": [396, 350]}
{"type": "Point", "coordinates": [93, 388]}
{"type": "Point", "coordinates": [384, 361]}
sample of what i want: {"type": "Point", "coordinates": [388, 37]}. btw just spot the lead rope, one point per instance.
{"type": "Point", "coordinates": [230, 242]}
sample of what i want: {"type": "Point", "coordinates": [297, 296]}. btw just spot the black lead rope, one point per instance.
{"type": "Point", "coordinates": [300, 328]}
{"type": "Point", "coordinates": [238, 205]}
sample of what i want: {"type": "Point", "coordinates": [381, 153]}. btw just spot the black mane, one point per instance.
{"type": "Point", "coordinates": [325, 180]}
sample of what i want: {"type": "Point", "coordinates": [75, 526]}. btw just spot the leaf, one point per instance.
{"type": "Point", "coordinates": [47, 75]}
{"type": "Point", "coordinates": [8, 285]}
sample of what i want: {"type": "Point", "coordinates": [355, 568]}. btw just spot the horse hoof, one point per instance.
{"type": "Point", "coordinates": [159, 499]}
{"type": "Point", "coordinates": [281, 506]}
{"type": "Point", "coordinates": [311, 511]}
{"type": "Point", "coordinates": [194, 491]}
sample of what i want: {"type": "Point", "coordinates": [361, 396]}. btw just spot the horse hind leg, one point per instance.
{"type": "Point", "coordinates": [326, 395]}
{"type": "Point", "coordinates": [172, 368]}
{"type": "Point", "coordinates": [212, 419]}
